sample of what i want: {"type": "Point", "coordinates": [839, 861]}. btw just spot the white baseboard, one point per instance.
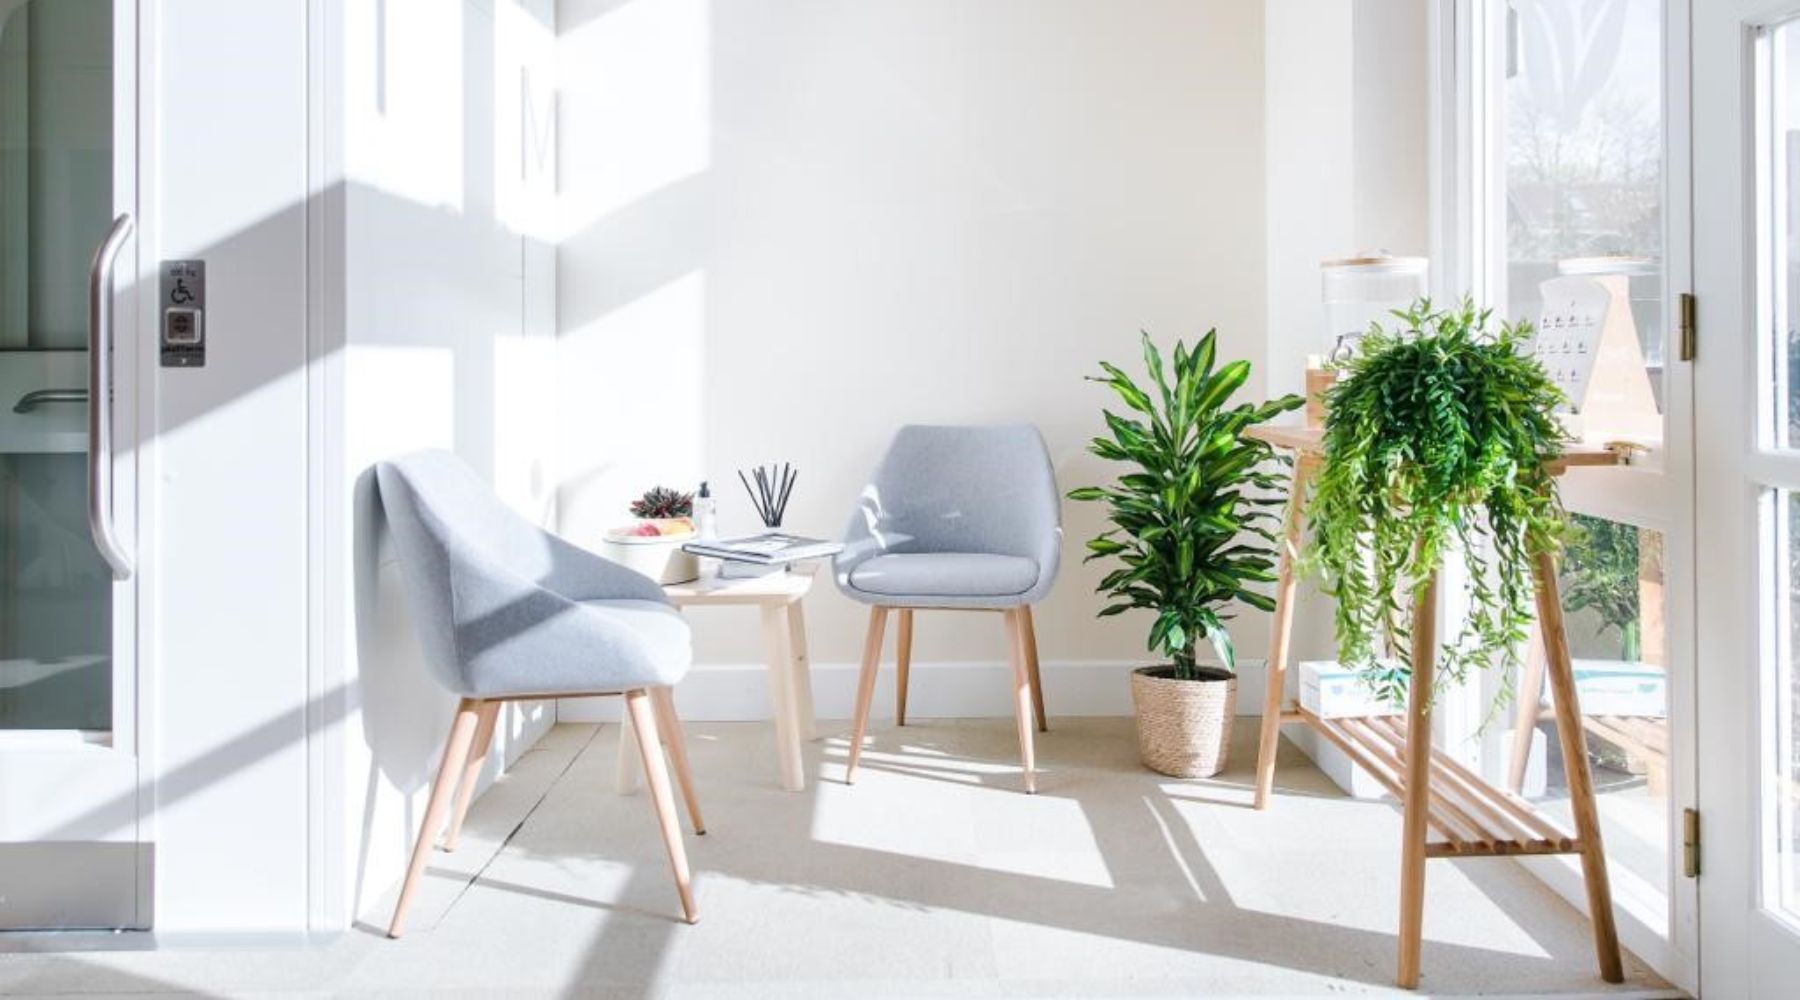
{"type": "Point", "coordinates": [739, 692]}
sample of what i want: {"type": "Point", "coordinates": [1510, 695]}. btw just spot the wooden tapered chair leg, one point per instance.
{"type": "Point", "coordinates": [1029, 630]}
{"type": "Point", "coordinates": [1015, 646]}
{"type": "Point", "coordinates": [676, 741]}
{"type": "Point", "coordinates": [471, 774]}
{"type": "Point", "coordinates": [865, 689]}
{"type": "Point", "coordinates": [456, 752]}
{"type": "Point", "coordinates": [903, 664]}
{"type": "Point", "coordinates": [638, 704]}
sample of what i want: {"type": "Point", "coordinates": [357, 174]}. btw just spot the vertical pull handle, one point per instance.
{"type": "Point", "coordinates": [100, 379]}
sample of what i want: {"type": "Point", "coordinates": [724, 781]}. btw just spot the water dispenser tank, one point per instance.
{"type": "Point", "coordinates": [1366, 289]}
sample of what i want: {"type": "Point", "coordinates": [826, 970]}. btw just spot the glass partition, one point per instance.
{"type": "Point", "coordinates": [56, 129]}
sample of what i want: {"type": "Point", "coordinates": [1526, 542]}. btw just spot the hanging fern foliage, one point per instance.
{"type": "Point", "coordinates": [1436, 440]}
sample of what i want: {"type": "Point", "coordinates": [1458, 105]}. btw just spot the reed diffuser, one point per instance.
{"type": "Point", "coordinates": [769, 488]}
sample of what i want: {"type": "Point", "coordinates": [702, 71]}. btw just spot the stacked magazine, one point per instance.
{"type": "Point", "coordinates": [772, 548]}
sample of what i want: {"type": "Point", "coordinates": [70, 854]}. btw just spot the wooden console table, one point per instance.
{"type": "Point", "coordinates": [1472, 817]}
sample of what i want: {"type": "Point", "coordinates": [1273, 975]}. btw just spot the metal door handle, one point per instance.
{"type": "Point", "coordinates": [100, 342]}
{"type": "Point", "coordinates": [32, 400]}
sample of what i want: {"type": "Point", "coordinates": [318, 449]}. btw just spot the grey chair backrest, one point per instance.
{"type": "Point", "coordinates": [479, 576]}
{"type": "Point", "coordinates": [988, 489]}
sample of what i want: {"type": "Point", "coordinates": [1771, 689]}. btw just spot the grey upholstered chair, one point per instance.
{"type": "Point", "coordinates": [955, 518]}
{"type": "Point", "coordinates": [508, 612]}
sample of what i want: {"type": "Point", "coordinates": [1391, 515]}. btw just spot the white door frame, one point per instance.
{"type": "Point", "coordinates": [1747, 954]}
{"type": "Point", "coordinates": [1468, 258]}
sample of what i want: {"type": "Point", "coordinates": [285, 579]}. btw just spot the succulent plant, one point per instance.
{"type": "Point", "coordinates": [660, 501]}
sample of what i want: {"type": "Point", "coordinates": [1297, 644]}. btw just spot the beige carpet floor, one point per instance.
{"type": "Point", "coordinates": [932, 877]}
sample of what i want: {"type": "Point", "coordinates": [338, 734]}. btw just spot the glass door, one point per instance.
{"type": "Point", "coordinates": [1747, 273]}
{"type": "Point", "coordinates": [1575, 183]}
{"type": "Point", "coordinates": [70, 852]}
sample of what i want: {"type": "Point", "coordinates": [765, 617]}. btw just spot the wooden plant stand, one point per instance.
{"type": "Point", "coordinates": [1472, 817]}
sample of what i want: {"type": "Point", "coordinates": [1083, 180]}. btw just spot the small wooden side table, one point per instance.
{"type": "Point", "coordinates": [780, 596]}
{"type": "Point", "coordinates": [1437, 792]}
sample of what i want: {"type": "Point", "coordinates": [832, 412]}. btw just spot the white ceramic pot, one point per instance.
{"type": "Point", "coordinates": [656, 556]}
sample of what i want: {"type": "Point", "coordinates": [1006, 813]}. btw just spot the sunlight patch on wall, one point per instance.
{"type": "Point", "coordinates": [524, 123]}
{"type": "Point", "coordinates": [397, 399]}
{"type": "Point", "coordinates": [630, 386]}
{"type": "Point", "coordinates": [524, 421]}
{"type": "Point", "coordinates": [404, 99]}
{"type": "Point", "coordinates": [643, 99]}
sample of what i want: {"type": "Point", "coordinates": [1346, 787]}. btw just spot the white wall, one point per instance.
{"type": "Point", "coordinates": [791, 227]}
{"type": "Point", "coordinates": [1347, 136]}
{"type": "Point", "coordinates": [445, 298]}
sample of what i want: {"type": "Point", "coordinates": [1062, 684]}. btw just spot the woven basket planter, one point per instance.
{"type": "Point", "coordinates": [1184, 727]}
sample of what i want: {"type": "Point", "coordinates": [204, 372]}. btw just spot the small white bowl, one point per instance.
{"type": "Point", "coordinates": [658, 557]}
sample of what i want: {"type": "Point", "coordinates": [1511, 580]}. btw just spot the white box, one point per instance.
{"type": "Point", "coordinates": [1331, 691]}
{"type": "Point", "coordinates": [1616, 687]}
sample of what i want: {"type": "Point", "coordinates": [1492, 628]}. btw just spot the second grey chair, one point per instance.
{"type": "Point", "coordinates": [955, 518]}
{"type": "Point", "coordinates": [506, 612]}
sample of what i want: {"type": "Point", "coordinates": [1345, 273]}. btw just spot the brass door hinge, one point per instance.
{"type": "Point", "coordinates": [1690, 843]}
{"type": "Point", "coordinates": [1689, 332]}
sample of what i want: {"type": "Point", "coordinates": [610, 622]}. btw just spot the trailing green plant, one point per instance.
{"type": "Point", "coordinates": [1192, 524]}
{"type": "Point", "coordinates": [661, 501]}
{"type": "Point", "coordinates": [1437, 438]}
{"type": "Point", "coordinates": [1601, 566]}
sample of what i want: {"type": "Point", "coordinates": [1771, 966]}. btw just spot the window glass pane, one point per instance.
{"type": "Point", "coordinates": [56, 123]}
{"type": "Point", "coordinates": [1612, 588]}
{"type": "Point", "coordinates": [1784, 241]}
{"type": "Point", "coordinates": [1582, 186]}
{"type": "Point", "coordinates": [1785, 862]}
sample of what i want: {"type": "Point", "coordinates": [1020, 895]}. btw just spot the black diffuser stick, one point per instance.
{"type": "Point", "coordinates": [787, 490]}
{"type": "Point", "coordinates": [770, 487]}
{"type": "Point", "coordinates": [755, 499]}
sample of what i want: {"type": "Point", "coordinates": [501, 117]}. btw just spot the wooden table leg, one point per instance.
{"type": "Point", "coordinates": [1281, 628]}
{"type": "Point", "coordinates": [1418, 783]}
{"type": "Point", "coordinates": [1529, 694]}
{"type": "Point", "coordinates": [1561, 674]}
{"type": "Point", "coordinates": [803, 691]}
{"type": "Point", "coordinates": [781, 693]}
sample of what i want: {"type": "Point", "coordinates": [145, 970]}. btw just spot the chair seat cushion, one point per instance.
{"type": "Point", "coordinates": [945, 574]}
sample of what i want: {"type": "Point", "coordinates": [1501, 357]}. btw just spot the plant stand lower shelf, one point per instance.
{"type": "Point", "coordinates": [1449, 810]}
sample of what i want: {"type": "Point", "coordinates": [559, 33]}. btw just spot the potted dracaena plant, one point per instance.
{"type": "Point", "coordinates": [1438, 438]}
{"type": "Point", "coordinates": [1192, 527]}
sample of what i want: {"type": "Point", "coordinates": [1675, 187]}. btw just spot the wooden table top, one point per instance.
{"type": "Point", "coordinates": [1311, 441]}
{"type": "Point", "coordinates": [775, 588]}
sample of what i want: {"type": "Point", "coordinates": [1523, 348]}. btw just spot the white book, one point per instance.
{"type": "Point", "coordinates": [771, 548]}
